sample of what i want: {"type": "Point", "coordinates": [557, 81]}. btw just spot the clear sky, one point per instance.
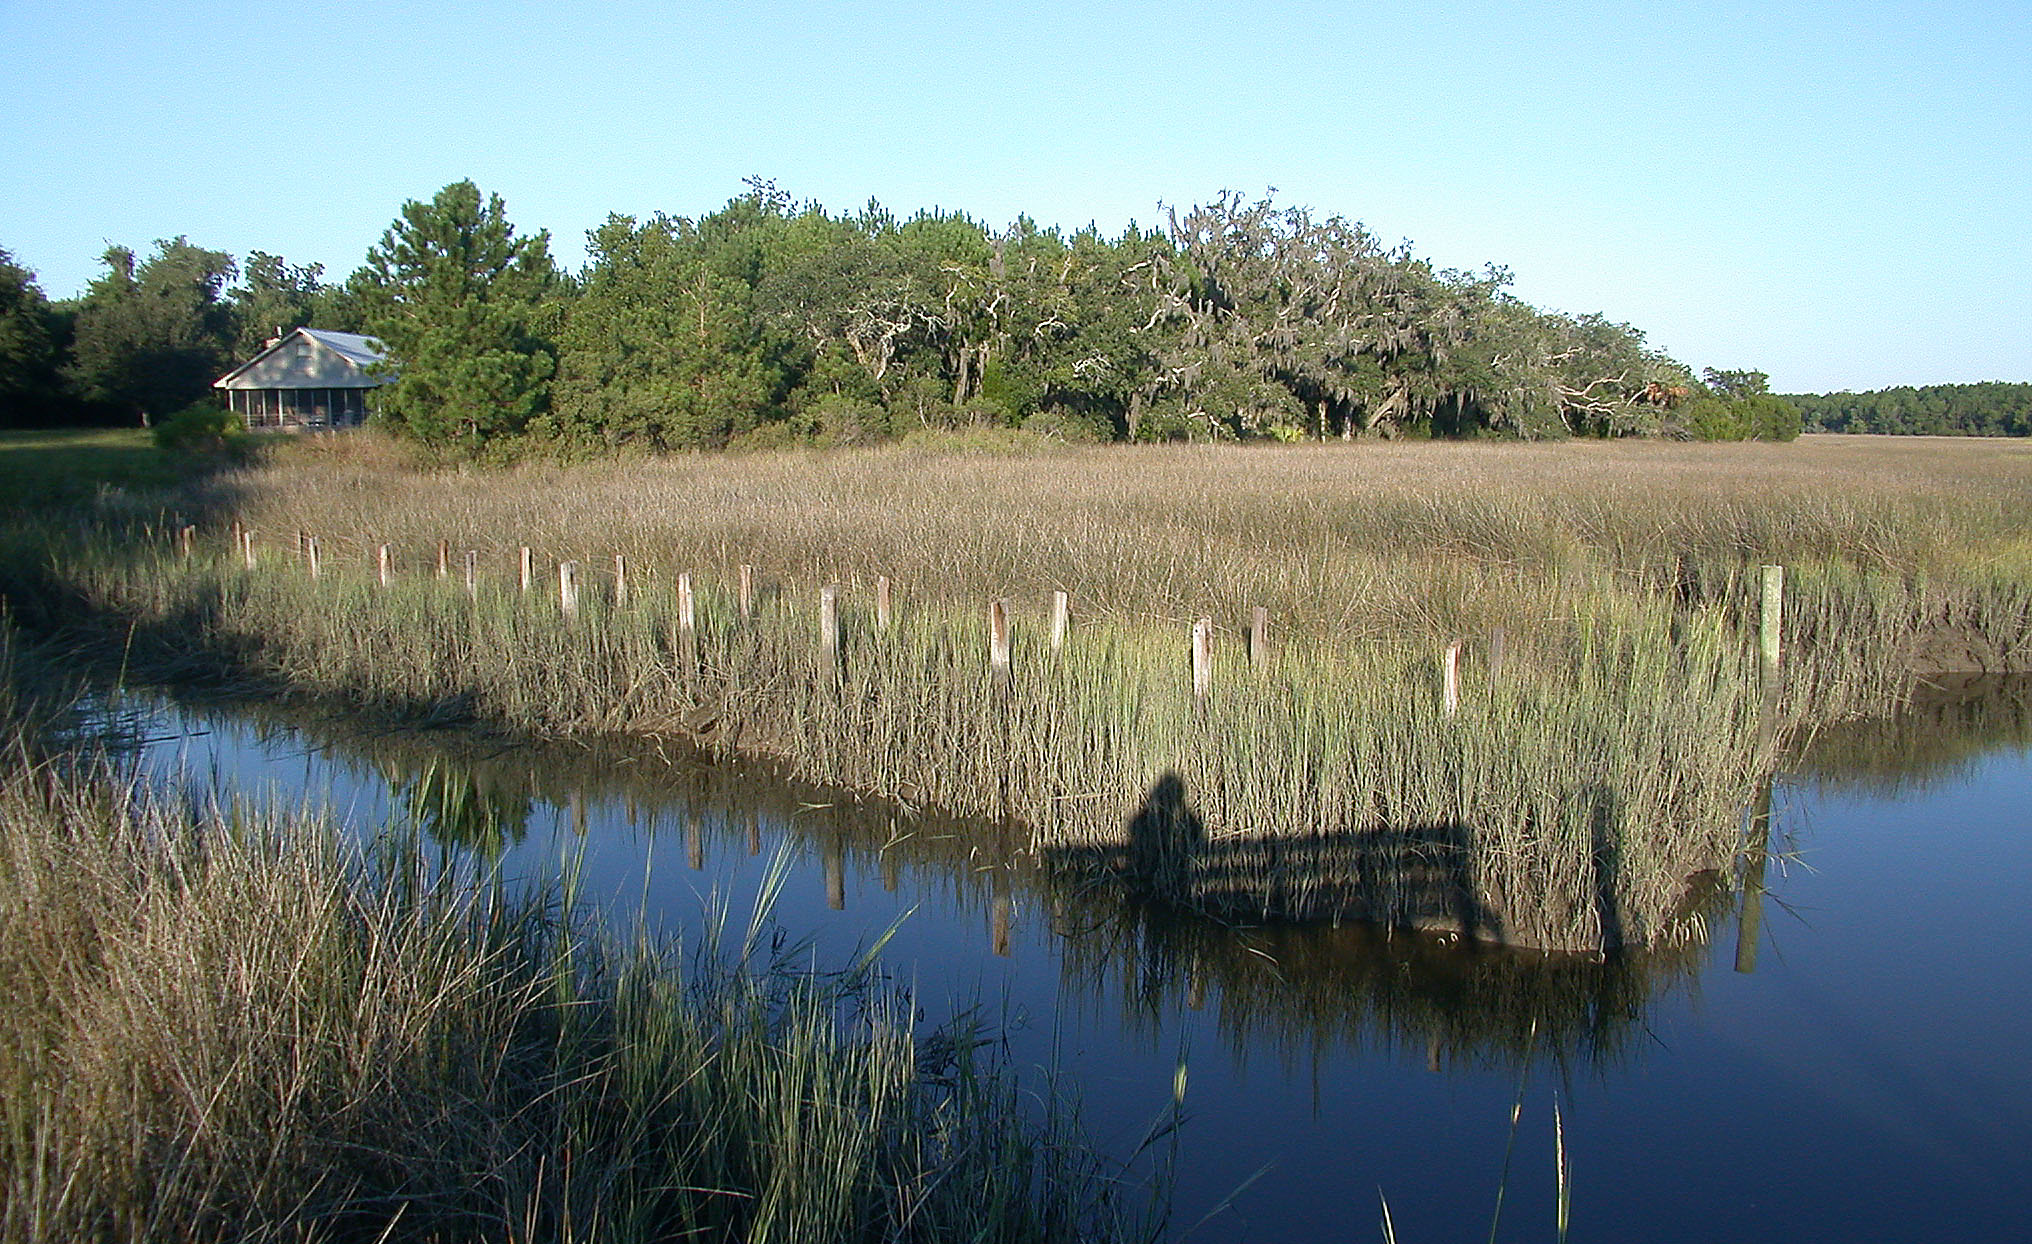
{"type": "Point", "coordinates": [1839, 194]}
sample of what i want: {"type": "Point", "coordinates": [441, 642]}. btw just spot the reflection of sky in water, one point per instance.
{"type": "Point", "coordinates": [1866, 1082]}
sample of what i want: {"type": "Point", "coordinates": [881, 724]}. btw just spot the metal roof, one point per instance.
{"type": "Point", "coordinates": [311, 358]}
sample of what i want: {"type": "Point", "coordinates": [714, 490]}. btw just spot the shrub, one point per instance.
{"type": "Point", "coordinates": [200, 427]}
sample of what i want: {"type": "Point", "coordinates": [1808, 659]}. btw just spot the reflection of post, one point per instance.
{"type": "Point", "coordinates": [694, 841]}
{"type": "Point", "coordinates": [998, 911]}
{"type": "Point", "coordinates": [833, 850]}
{"type": "Point", "coordinates": [578, 813]}
{"type": "Point", "coordinates": [754, 832]}
{"type": "Point", "coordinates": [1757, 854]}
{"type": "Point", "coordinates": [1195, 983]}
{"type": "Point", "coordinates": [889, 874]}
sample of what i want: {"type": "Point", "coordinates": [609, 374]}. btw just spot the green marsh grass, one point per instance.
{"type": "Point", "coordinates": [227, 1024]}
{"type": "Point", "coordinates": [1566, 804]}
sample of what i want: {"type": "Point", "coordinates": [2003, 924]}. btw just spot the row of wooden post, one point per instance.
{"type": "Point", "coordinates": [1769, 631]}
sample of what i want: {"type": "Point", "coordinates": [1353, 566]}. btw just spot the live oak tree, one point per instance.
{"type": "Point", "coordinates": [28, 348]}
{"type": "Point", "coordinates": [153, 334]}
{"type": "Point", "coordinates": [463, 307]}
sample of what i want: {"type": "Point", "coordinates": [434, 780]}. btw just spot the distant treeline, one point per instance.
{"type": "Point", "coordinates": [771, 321]}
{"type": "Point", "coordinates": [1993, 408]}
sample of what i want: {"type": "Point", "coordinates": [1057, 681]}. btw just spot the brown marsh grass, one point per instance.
{"type": "Point", "coordinates": [1565, 804]}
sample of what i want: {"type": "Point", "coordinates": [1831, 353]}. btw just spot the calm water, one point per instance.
{"type": "Point", "coordinates": [1845, 1059]}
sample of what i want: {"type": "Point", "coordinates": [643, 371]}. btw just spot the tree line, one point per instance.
{"type": "Point", "coordinates": [773, 321]}
{"type": "Point", "coordinates": [1992, 408]}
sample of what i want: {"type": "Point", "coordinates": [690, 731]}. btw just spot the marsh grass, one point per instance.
{"type": "Point", "coordinates": [1566, 804]}
{"type": "Point", "coordinates": [225, 1024]}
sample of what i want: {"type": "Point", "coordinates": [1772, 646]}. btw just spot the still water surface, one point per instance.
{"type": "Point", "coordinates": [1849, 1063]}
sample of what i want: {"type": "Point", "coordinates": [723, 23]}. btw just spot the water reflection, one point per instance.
{"type": "Point", "coordinates": [1296, 987]}
{"type": "Point", "coordinates": [1950, 722]}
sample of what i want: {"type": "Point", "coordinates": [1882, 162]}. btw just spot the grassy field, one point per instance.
{"type": "Point", "coordinates": [224, 1024]}
{"type": "Point", "coordinates": [1589, 769]}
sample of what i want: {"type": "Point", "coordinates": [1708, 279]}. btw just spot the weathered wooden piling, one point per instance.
{"type": "Point", "coordinates": [384, 568]}
{"type": "Point", "coordinates": [247, 548]}
{"type": "Point", "coordinates": [1259, 639]}
{"type": "Point", "coordinates": [885, 615]}
{"type": "Point", "coordinates": [313, 561]}
{"type": "Point", "coordinates": [745, 594]}
{"type": "Point", "coordinates": [528, 568]}
{"type": "Point", "coordinates": [829, 629]}
{"type": "Point", "coordinates": [687, 624]}
{"type": "Point", "coordinates": [186, 539]}
{"type": "Point", "coordinates": [473, 573]}
{"type": "Point", "coordinates": [1449, 680]}
{"type": "Point", "coordinates": [1202, 657]}
{"type": "Point", "coordinates": [568, 588]}
{"type": "Point", "coordinates": [1496, 638]}
{"type": "Point", "coordinates": [1061, 619]}
{"type": "Point", "coordinates": [444, 559]}
{"type": "Point", "coordinates": [620, 581]}
{"type": "Point", "coordinates": [998, 640]}
{"type": "Point", "coordinates": [1770, 626]}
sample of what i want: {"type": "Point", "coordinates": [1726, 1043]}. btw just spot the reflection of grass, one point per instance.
{"type": "Point", "coordinates": [232, 1027]}
{"type": "Point", "coordinates": [1946, 726]}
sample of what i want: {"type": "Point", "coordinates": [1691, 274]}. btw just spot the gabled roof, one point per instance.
{"type": "Point", "coordinates": [311, 358]}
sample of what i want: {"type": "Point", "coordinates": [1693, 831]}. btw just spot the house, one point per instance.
{"type": "Point", "coordinates": [306, 378]}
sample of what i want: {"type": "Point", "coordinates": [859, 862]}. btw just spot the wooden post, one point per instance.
{"type": "Point", "coordinates": [829, 629]}
{"type": "Point", "coordinates": [620, 581]}
{"type": "Point", "coordinates": [528, 568]}
{"type": "Point", "coordinates": [687, 624]}
{"type": "Point", "coordinates": [747, 591]}
{"type": "Point", "coordinates": [1202, 657]}
{"type": "Point", "coordinates": [568, 588]}
{"type": "Point", "coordinates": [998, 640]}
{"type": "Point", "coordinates": [1259, 639]}
{"type": "Point", "coordinates": [302, 543]}
{"type": "Point", "coordinates": [186, 537]}
{"type": "Point", "coordinates": [885, 617]}
{"type": "Point", "coordinates": [1770, 625]}
{"type": "Point", "coordinates": [311, 560]}
{"type": "Point", "coordinates": [247, 547]}
{"type": "Point", "coordinates": [444, 559]}
{"type": "Point", "coordinates": [383, 565]}
{"type": "Point", "coordinates": [1495, 654]}
{"type": "Point", "coordinates": [1061, 619]}
{"type": "Point", "coordinates": [473, 573]}
{"type": "Point", "coordinates": [1449, 688]}
{"type": "Point", "coordinates": [237, 531]}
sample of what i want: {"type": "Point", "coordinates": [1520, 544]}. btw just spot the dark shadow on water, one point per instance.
{"type": "Point", "coordinates": [1418, 877]}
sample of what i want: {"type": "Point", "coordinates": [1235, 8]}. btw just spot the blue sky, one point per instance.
{"type": "Point", "coordinates": [1838, 194]}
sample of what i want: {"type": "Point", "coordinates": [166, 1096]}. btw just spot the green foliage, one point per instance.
{"type": "Point", "coordinates": [152, 335]}
{"type": "Point", "coordinates": [28, 348]}
{"type": "Point", "coordinates": [664, 347]}
{"type": "Point", "coordinates": [1993, 408]}
{"type": "Point", "coordinates": [461, 303]}
{"type": "Point", "coordinates": [201, 426]}
{"type": "Point", "coordinates": [273, 298]}
{"type": "Point", "coordinates": [1734, 406]}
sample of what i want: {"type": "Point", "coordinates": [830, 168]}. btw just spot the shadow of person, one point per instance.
{"type": "Point", "coordinates": [1165, 838]}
